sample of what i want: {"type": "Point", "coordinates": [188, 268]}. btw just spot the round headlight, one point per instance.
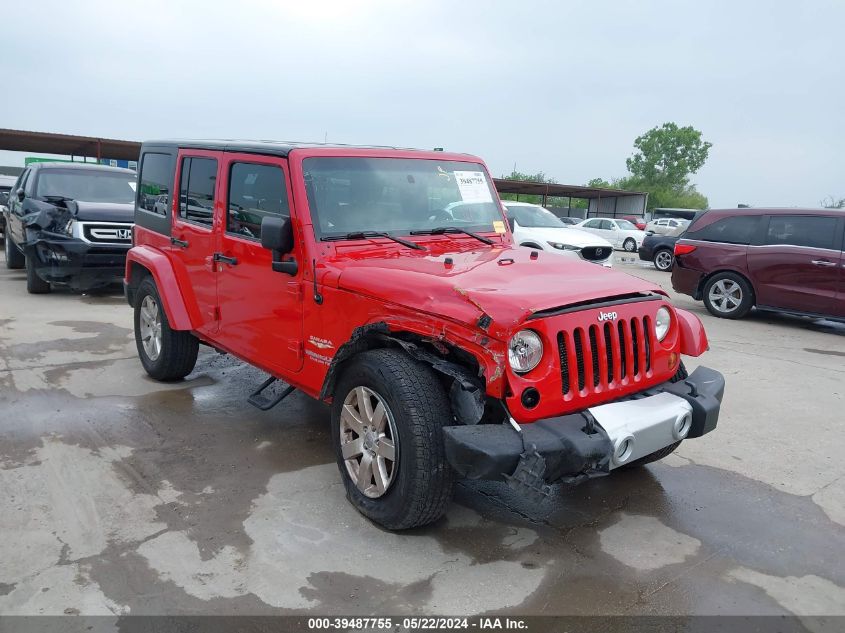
{"type": "Point", "coordinates": [662, 321]}
{"type": "Point", "coordinates": [525, 351]}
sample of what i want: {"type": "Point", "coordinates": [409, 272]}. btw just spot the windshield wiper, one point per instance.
{"type": "Point", "coordinates": [441, 230]}
{"type": "Point", "coordinates": [361, 235]}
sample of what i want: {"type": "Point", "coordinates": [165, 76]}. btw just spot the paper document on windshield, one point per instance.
{"type": "Point", "coordinates": [473, 186]}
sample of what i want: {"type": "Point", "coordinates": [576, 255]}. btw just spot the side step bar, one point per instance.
{"type": "Point", "coordinates": [260, 401]}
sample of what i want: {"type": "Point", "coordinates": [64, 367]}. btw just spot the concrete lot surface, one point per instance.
{"type": "Point", "coordinates": [120, 495]}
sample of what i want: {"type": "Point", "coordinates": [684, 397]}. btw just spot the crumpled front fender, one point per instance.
{"type": "Point", "coordinates": [693, 337]}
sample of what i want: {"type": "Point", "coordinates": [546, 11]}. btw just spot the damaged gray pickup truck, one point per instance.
{"type": "Point", "coordinates": [70, 224]}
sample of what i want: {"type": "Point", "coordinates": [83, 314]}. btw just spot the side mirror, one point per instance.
{"type": "Point", "coordinates": [277, 236]}
{"type": "Point", "coordinates": [20, 194]}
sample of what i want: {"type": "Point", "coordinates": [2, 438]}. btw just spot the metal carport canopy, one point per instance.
{"type": "Point", "coordinates": [69, 145]}
{"type": "Point", "coordinates": [555, 190]}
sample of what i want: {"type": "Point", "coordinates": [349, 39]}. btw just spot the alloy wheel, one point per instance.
{"type": "Point", "coordinates": [663, 260]}
{"type": "Point", "coordinates": [368, 441]}
{"type": "Point", "coordinates": [725, 295]}
{"type": "Point", "coordinates": [150, 326]}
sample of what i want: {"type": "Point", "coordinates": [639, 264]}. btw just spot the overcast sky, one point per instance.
{"type": "Point", "coordinates": [560, 87]}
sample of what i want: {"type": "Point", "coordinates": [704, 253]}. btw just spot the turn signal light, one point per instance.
{"type": "Point", "coordinates": [683, 249]}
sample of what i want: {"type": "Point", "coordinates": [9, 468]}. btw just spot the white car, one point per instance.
{"type": "Point", "coordinates": [536, 227]}
{"type": "Point", "coordinates": [667, 226]}
{"type": "Point", "coordinates": [621, 233]}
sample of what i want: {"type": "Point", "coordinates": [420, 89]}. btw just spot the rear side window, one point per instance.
{"type": "Point", "coordinates": [154, 182]}
{"type": "Point", "coordinates": [738, 229]}
{"type": "Point", "coordinates": [196, 190]}
{"type": "Point", "coordinates": [802, 230]}
{"type": "Point", "coordinates": [255, 191]}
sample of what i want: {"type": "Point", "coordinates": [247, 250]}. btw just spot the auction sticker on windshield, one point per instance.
{"type": "Point", "coordinates": [473, 186]}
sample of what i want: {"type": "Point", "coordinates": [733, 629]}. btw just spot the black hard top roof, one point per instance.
{"type": "Point", "coordinates": [278, 148]}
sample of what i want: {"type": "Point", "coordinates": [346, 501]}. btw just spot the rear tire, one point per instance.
{"type": "Point", "coordinates": [728, 296]}
{"type": "Point", "coordinates": [663, 260]}
{"type": "Point", "coordinates": [416, 486]}
{"type": "Point", "coordinates": [15, 260]}
{"type": "Point", "coordinates": [629, 245]}
{"type": "Point", "coordinates": [34, 284]}
{"type": "Point", "coordinates": [165, 353]}
{"type": "Point", "coordinates": [680, 375]}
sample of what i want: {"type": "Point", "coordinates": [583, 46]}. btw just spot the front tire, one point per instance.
{"type": "Point", "coordinates": [34, 284]}
{"type": "Point", "coordinates": [728, 296]}
{"type": "Point", "coordinates": [388, 415]}
{"type": "Point", "coordinates": [629, 245]}
{"type": "Point", "coordinates": [663, 260]}
{"type": "Point", "coordinates": [15, 260]}
{"type": "Point", "coordinates": [165, 353]}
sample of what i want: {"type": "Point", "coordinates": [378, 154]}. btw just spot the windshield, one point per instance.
{"type": "Point", "coordinates": [625, 225]}
{"type": "Point", "coordinates": [87, 185]}
{"type": "Point", "coordinates": [533, 216]}
{"type": "Point", "coordinates": [398, 195]}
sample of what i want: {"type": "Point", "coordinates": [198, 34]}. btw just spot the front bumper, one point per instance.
{"type": "Point", "coordinates": [595, 441]}
{"type": "Point", "coordinates": [77, 263]}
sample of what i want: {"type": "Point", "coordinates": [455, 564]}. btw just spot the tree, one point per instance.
{"type": "Point", "coordinates": [831, 203]}
{"type": "Point", "coordinates": [668, 155]}
{"type": "Point", "coordinates": [666, 196]}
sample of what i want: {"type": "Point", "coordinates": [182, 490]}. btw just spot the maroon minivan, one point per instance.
{"type": "Point", "coordinates": [789, 260]}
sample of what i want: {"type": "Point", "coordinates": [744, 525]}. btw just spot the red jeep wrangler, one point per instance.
{"type": "Point", "coordinates": [444, 350]}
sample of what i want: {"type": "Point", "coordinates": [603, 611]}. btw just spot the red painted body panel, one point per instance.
{"type": "Point", "coordinates": [158, 263]}
{"type": "Point", "coordinates": [271, 320]}
{"type": "Point", "coordinates": [693, 337]}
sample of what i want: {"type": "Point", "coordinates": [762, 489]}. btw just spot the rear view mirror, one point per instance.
{"type": "Point", "coordinates": [20, 194]}
{"type": "Point", "coordinates": [277, 234]}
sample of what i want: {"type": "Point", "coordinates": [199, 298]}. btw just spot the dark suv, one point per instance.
{"type": "Point", "coordinates": [789, 260]}
{"type": "Point", "coordinates": [71, 224]}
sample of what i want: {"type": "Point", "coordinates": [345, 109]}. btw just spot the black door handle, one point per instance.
{"type": "Point", "coordinates": [220, 257]}
{"type": "Point", "coordinates": [177, 242]}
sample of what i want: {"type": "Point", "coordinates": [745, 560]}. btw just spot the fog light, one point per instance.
{"type": "Point", "coordinates": [530, 398]}
{"type": "Point", "coordinates": [682, 426]}
{"type": "Point", "coordinates": [623, 450]}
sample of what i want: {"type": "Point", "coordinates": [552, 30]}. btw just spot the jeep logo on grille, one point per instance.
{"type": "Point", "coordinates": [607, 316]}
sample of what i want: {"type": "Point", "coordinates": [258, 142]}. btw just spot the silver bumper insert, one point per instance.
{"type": "Point", "coordinates": [640, 427]}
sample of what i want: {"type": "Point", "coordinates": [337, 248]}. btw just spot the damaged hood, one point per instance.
{"type": "Point", "coordinates": [503, 283]}
{"type": "Point", "coordinates": [103, 211]}
{"type": "Point", "coordinates": [49, 216]}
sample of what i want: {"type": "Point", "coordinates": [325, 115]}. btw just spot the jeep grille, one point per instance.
{"type": "Point", "coordinates": [599, 356]}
